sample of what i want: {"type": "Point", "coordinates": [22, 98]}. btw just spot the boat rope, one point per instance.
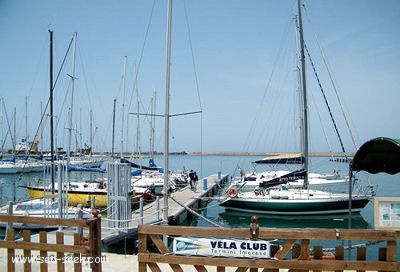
{"type": "Point", "coordinates": [366, 244]}
{"type": "Point", "coordinates": [326, 101]}
{"type": "Point", "coordinates": [195, 213]}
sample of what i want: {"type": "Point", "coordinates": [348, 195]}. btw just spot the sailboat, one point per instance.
{"type": "Point", "coordinates": [275, 197]}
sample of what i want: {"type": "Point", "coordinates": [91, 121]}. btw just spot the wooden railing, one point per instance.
{"type": "Point", "coordinates": [82, 249]}
{"type": "Point", "coordinates": [299, 260]}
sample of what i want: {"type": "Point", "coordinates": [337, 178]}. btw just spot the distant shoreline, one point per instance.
{"type": "Point", "coordinates": [210, 153]}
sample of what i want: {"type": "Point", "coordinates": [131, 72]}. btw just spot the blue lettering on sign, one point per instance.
{"type": "Point", "coordinates": [253, 246]}
{"type": "Point", "coordinates": [223, 244]}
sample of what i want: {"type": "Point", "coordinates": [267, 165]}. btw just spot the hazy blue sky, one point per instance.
{"type": "Point", "coordinates": [242, 54]}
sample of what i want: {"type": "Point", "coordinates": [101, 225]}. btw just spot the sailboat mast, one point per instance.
{"type": "Point", "coordinates": [72, 100]}
{"type": "Point", "coordinates": [304, 96]}
{"type": "Point", "coordinates": [123, 107]}
{"type": "Point", "coordinates": [167, 86]}
{"type": "Point", "coordinates": [51, 114]}
{"type": "Point", "coordinates": [113, 130]}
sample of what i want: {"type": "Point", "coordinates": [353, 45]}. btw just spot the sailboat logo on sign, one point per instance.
{"type": "Point", "coordinates": [182, 245]}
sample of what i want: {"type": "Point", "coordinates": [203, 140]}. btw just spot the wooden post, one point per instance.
{"type": "Point", "coordinates": [43, 253]}
{"type": "Point", "coordinates": [60, 255]}
{"type": "Point", "coordinates": [339, 255]}
{"type": "Point", "coordinates": [361, 255]}
{"type": "Point", "coordinates": [77, 242]}
{"type": "Point", "coordinates": [10, 251]}
{"type": "Point", "coordinates": [382, 256]}
{"type": "Point", "coordinates": [317, 254]}
{"type": "Point", "coordinates": [27, 252]}
{"type": "Point", "coordinates": [95, 241]}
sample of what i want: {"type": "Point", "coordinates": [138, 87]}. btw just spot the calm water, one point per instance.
{"type": "Point", "coordinates": [388, 186]}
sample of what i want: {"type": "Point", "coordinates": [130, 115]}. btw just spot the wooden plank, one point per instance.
{"type": "Point", "coordinates": [77, 242]}
{"type": "Point", "coordinates": [142, 242]}
{"type": "Point", "coordinates": [43, 221]}
{"type": "Point", "coordinates": [200, 268]}
{"type": "Point", "coordinates": [43, 253]}
{"type": "Point", "coordinates": [10, 251]}
{"type": "Point", "coordinates": [159, 243]}
{"type": "Point", "coordinates": [305, 249]}
{"type": "Point", "coordinates": [60, 255]}
{"type": "Point", "coordinates": [42, 246]}
{"type": "Point", "coordinates": [270, 270]}
{"type": "Point", "coordinates": [154, 267]}
{"type": "Point", "coordinates": [26, 236]}
{"type": "Point", "coordinates": [391, 250]}
{"type": "Point", "coordinates": [313, 234]}
{"type": "Point", "coordinates": [164, 250]}
{"type": "Point", "coordinates": [276, 264]}
{"type": "Point", "coordinates": [284, 250]}
{"type": "Point", "coordinates": [142, 267]}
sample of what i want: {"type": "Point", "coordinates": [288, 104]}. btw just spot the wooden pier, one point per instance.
{"type": "Point", "coordinates": [179, 203]}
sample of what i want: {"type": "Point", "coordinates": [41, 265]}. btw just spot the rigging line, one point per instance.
{"type": "Point", "coordinates": [340, 100]}
{"type": "Point", "coordinates": [191, 50]}
{"type": "Point", "coordinates": [137, 67]}
{"type": "Point", "coordinates": [326, 101]}
{"type": "Point", "coordinates": [195, 213]}
{"type": "Point", "coordinates": [323, 127]}
{"type": "Point", "coordinates": [197, 85]}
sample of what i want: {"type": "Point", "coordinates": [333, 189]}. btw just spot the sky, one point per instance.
{"type": "Point", "coordinates": [233, 61]}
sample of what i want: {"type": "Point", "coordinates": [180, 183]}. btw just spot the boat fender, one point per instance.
{"type": "Point", "coordinates": [232, 192]}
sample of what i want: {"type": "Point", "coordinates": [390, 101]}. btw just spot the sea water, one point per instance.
{"type": "Point", "coordinates": [12, 189]}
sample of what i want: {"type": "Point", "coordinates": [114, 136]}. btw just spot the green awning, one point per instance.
{"type": "Point", "coordinates": [378, 155]}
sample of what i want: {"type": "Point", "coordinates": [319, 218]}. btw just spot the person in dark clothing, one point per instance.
{"type": "Point", "coordinates": [191, 179]}
{"type": "Point", "coordinates": [195, 179]}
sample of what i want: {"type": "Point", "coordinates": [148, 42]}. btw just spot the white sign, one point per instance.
{"type": "Point", "coordinates": [222, 247]}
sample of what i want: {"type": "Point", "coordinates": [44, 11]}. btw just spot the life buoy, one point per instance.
{"type": "Point", "coordinates": [232, 192]}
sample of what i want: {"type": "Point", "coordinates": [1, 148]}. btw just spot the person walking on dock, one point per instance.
{"type": "Point", "coordinates": [193, 179]}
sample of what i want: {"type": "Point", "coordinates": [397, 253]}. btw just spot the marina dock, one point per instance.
{"type": "Point", "coordinates": [179, 205]}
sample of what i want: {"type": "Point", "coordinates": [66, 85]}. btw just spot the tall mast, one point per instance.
{"type": "Point", "coordinates": [91, 134]}
{"type": "Point", "coordinates": [304, 92]}
{"type": "Point", "coordinates": [72, 100]}
{"type": "Point", "coordinates": [167, 86]}
{"type": "Point", "coordinates": [123, 107]}
{"type": "Point", "coordinates": [113, 130]}
{"type": "Point", "coordinates": [51, 114]}
{"type": "Point", "coordinates": [138, 130]}
{"type": "Point", "coordinates": [26, 122]}
{"type": "Point", "coordinates": [152, 130]}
